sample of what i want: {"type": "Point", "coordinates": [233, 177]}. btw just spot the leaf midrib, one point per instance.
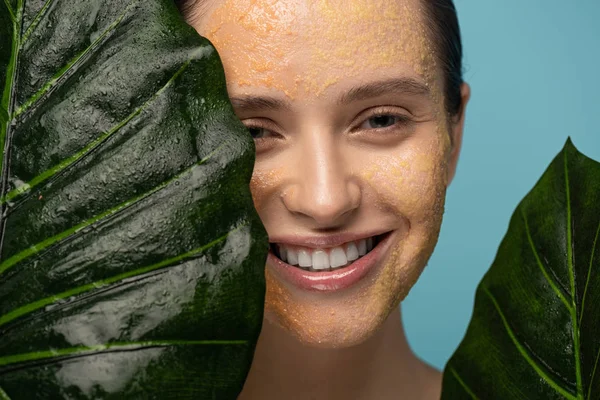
{"type": "Point", "coordinates": [11, 72]}
{"type": "Point", "coordinates": [7, 103]}
{"type": "Point", "coordinates": [574, 321]}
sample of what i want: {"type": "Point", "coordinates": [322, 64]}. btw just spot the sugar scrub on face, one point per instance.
{"type": "Point", "coordinates": [257, 37]}
{"type": "Point", "coordinates": [304, 47]}
{"type": "Point", "coordinates": [309, 53]}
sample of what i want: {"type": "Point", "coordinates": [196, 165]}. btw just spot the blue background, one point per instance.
{"type": "Point", "coordinates": [534, 71]}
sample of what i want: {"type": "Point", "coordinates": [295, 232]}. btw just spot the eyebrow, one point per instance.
{"type": "Point", "coordinates": [375, 89]}
{"type": "Point", "coordinates": [364, 92]}
{"type": "Point", "coordinates": [253, 103]}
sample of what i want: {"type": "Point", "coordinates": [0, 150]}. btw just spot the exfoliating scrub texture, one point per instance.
{"type": "Point", "coordinates": [308, 55]}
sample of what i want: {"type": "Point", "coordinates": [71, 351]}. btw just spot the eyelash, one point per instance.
{"type": "Point", "coordinates": [270, 127]}
{"type": "Point", "coordinates": [403, 120]}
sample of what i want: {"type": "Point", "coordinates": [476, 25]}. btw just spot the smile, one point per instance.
{"type": "Point", "coordinates": [326, 259]}
{"type": "Point", "coordinates": [322, 268]}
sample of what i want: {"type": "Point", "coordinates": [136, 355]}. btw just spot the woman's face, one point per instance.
{"type": "Point", "coordinates": [345, 101]}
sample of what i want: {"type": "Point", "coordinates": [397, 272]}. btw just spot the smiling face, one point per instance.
{"type": "Point", "coordinates": [344, 99]}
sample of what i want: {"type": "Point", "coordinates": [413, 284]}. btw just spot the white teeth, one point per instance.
{"type": "Point", "coordinates": [351, 251]}
{"type": "Point", "coordinates": [320, 260]}
{"type": "Point", "coordinates": [292, 256]}
{"type": "Point", "coordinates": [324, 259]}
{"type": "Point", "coordinates": [362, 247]}
{"type": "Point", "coordinates": [337, 257]}
{"type": "Point", "coordinates": [304, 259]}
{"type": "Point", "coordinates": [282, 252]}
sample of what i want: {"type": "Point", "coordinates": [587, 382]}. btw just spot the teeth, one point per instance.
{"type": "Point", "coordinates": [292, 257]}
{"type": "Point", "coordinates": [351, 251]}
{"type": "Point", "coordinates": [324, 259]}
{"type": "Point", "coordinates": [282, 252]}
{"type": "Point", "coordinates": [320, 260]}
{"type": "Point", "coordinates": [304, 259]}
{"type": "Point", "coordinates": [337, 257]}
{"type": "Point", "coordinates": [362, 247]}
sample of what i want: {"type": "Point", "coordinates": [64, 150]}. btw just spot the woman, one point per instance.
{"type": "Point", "coordinates": [357, 110]}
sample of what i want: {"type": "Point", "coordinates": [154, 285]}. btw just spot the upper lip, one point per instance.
{"type": "Point", "coordinates": [324, 241]}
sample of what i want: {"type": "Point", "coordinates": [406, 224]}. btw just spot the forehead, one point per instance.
{"type": "Point", "coordinates": [303, 47]}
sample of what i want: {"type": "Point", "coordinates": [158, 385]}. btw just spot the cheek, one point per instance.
{"type": "Point", "coordinates": [411, 183]}
{"type": "Point", "coordinates": [412, 186]}
{"type": "Point", "coordinates": [264, 186]}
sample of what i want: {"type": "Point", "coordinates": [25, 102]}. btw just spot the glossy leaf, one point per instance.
{"type": "Point", "coordinates": [132, 259]}
{"type": "Point", "coordinates": [534, 329]}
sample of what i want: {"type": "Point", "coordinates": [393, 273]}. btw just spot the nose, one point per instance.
{"type": "Point", "coordinates": [324, 188]}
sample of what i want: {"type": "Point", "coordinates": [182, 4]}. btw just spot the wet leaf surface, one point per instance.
{"type": "Point", "coordinates": [132, 259]}
{"type": "Point", "coordinates": [534, 329]}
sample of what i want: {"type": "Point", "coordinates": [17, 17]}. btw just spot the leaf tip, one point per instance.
{"type": "Point", "coordinates": [572, 152]}
{"type": "Point", "coordinates": [569, 145]}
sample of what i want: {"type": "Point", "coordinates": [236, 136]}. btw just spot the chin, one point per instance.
{"type": "Point", "coordinates": [324, 333]}
{"type": "Point", "coordinates": [336, 323]}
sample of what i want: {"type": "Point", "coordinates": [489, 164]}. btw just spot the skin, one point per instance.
{"type": "Point", "coordinates": [326, 167]}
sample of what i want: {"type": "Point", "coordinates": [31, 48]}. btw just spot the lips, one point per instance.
{"type": "Point", "coordinates": [325, 259]}
{"type": "Point", "coordinates": [329, 279]}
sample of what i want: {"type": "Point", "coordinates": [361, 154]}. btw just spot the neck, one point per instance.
{"type": "Point", "coordinates": [381, 367]}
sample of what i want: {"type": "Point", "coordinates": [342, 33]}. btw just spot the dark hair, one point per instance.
{"type": "Point", "coordinates": [442, 23]}
{"type": "Point", "coordinates": [191, 9]}
{"type": "Point", "coordinates": [445, 32]}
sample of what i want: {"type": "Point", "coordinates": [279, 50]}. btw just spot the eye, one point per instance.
{"type": "Point", "coordinates": [265, 133]}
{"type": "Point", "coordinates": [257, 132]}
{"type": "Point", "coordinates": [381, 121]}
{"type": "Point", "coordinates": [259, 129]}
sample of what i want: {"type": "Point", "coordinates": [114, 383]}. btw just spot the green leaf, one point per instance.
{"type": "Point", "coordinates": [534, 329]}
{"type": "Point", "coordinates": [132, 259]}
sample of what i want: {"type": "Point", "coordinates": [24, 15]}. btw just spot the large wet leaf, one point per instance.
{"type": "Point", "coordinates": [534, 333]}
{"type": "Point", "coordinates": [131, 256]}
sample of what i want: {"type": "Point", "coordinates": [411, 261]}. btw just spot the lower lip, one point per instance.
{"type": "Point", "coordinates": [331, 280]}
